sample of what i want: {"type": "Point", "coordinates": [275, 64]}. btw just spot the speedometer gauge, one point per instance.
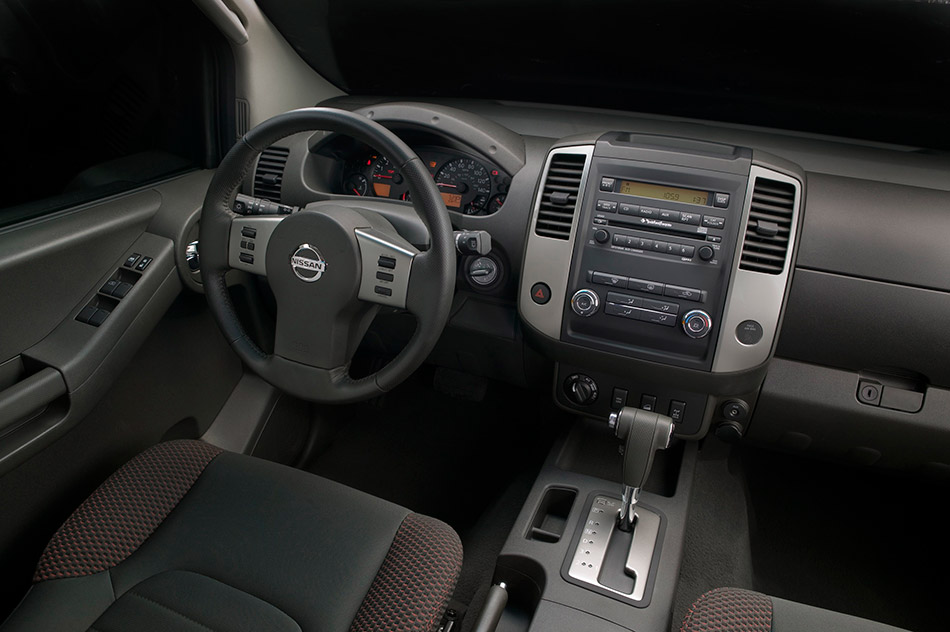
{"type": "Point", "coordinates": [465, 186]}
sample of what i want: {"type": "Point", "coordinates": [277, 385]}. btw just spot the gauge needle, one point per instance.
{"type": "Point", "coordinates": [446, 184]}
{"type": "Point", "coordinates": [357, 192]}
{"type": "Point", "coordinates": [381, 176]}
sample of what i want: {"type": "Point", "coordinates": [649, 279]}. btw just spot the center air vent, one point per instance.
{"type": "Point", "coordinates": [770, 223]}
{"type": "Point", "coordinates": [559, 196]}
{"type": "Point", "coordinates": [270, 173]}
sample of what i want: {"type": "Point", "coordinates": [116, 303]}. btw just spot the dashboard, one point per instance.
{"type": "Point", "coordinates": [722, 276]}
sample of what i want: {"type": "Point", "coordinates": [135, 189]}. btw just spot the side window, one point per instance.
{"type": "Point", "coordinates": [101, 97]}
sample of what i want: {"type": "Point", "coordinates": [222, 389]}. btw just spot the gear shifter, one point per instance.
{"type": "Point", "coordinates": [642, 433]}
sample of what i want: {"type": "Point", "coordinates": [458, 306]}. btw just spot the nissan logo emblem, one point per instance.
{"type": "Point", "coordinates": [307, 263]}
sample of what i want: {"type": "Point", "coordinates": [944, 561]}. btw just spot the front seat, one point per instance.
{"type": "Point", "coordinates": [188, 537]}
{"type": "Point", "coordinates": [738, 610]}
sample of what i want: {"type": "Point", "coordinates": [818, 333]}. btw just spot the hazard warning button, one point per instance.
{"type": "Point", "coordinates": [540, 293]}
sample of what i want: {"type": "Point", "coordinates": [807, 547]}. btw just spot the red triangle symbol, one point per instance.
{"type": "Point", "coordinates": [539, 293]}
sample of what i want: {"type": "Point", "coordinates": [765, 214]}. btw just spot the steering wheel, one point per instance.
{"type": "Point", "coordinates": [331, 266]}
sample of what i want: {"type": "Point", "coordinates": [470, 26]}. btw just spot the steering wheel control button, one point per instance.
{"type": "Point", "coordinates": [585, 303]}
{"type": "Point", "coordinates": [143, 264]}
{"type": "Point", "coordinates": [869, 392]}
{"type": "Point", "coordinates": [249, 232]}
{"type": "Point", "coordinates": [735, 410]}
{"type": "Point", "coordinates": [246, 258]}
{"type": "Point", "coordinates": [721, 200]}
{"type": "Point", "coordinates": [697, 323]}
{"type": "Point", "coordinates": [749, 332]}
{"type": "Point", "coordinates": [387, 262]}
{"type": "Point", "coordinates": [307, 263]}
{"type": "Point", "coordinates": [540, 293]}
{"type": "Point", "coordinates": [581, 389]}
{"type": "Point", "coordinates": [384, 276]}
{"type": "Point", "coordinates": [706, 253]}
{"type": "Point", "coordinates": [131, 260]}
{"type": "Point", "coordinates": [383, 291]}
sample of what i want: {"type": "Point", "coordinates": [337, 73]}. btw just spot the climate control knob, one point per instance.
{"type": "Point", "coordinates": [697, 323]}
{"type": "Point", "coordinates": [585, 302]}
{"type": "Point", "coordinates": [581, 389]}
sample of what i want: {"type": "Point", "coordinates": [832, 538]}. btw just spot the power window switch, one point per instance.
{"type": "Point", "coordinates": [109, 287]}
{"type": "Point", "coordinates": [131, 260]}
{"type": "Point", "coordinates": [143, 264]}
{"type": "Point", "coordinates": [99, 317]}
{"type": "Point", "coordinates": [648, 402]}
{"type": "Point", "coordinates": [86, 313]}
{"type": "Point", "coordinates": [618, 399]}
{"type": "Point", "coordinates": [121, 290]}
{"type": "Point", "coordinates": [677, 411]}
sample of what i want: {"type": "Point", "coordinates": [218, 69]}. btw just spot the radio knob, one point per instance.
{"type": "Point", "coordinates": [697, 323]}
{"type": "Point", "coordinates": [585, 303]}
{"type": "Point", "coordinates": [706, 253]}
{"type": "Point", "coordinates": [601, 236]}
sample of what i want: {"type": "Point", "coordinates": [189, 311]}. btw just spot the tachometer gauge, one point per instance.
{"type": "Point", "coordinates": [355, 184]}
{"type": "Point", "coordinates": [387, 182]}
{"type": "Point", "coordinates": [465, 186]}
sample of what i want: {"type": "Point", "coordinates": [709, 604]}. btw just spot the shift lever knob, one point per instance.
{"type": "Point", "coordinates": [643, 433]}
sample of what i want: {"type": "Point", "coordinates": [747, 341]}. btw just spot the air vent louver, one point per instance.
{"type": "Point", "coordinates": [559, 196]}
{"type": "Point", "coordinates": [770, 223]}
{"type": "Point", "coordinates": [270, 173]}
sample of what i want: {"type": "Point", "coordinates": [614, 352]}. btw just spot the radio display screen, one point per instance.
{"type": "Point", "coordinates": [661, 192]}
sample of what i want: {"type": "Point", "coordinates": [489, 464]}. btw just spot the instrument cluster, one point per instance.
{"type": "Point", "coordinates": [467, 184]}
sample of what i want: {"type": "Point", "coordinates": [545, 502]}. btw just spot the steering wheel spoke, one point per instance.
{"type": "Point", "coordinates": [386, 267]}
{"type": "Point", "coordinates": [247, 244]}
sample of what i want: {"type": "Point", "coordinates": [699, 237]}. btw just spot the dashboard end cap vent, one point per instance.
{"type": "Point", "coordinates": [765, 247]}
{"type": "Point", "coordinates": [269, 175]}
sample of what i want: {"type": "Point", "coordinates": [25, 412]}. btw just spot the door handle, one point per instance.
{"type": "Point", "coordinates": [30, 395]}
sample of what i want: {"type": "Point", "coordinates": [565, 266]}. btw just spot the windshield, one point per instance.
{"type": "Point", "coordinates": [868, 70]}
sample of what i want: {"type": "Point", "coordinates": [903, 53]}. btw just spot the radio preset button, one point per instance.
{"type": "Point", "coordinates": [685, 293]}
{"type": "Point", "coordinates": [613, 280]}
{"type": "Point", "coordinates": [625, 299]}
{"type": "Point", "coordinates": [643, 244]}
{"type": "Point", "coordinates": [629, 209]}
{"type": "Point", "coordinates": [672, 249]}
{"type": "Point", "coordinates": [692, 219]}
{"type": "Point", "coordinates": [712, 221]}
{"type": "Point", "coordinates": [607, 184]}
{"type": "Point", "coordinates": [607, 206]}
{"type": "Point", "coordinates": [659, 246]}
{"type": "Point", "coordinates": [687, 251]}
{"type": "Point", "coordinates": [650, 287]}
{"type": "Point", "coordinates": [721, 200]}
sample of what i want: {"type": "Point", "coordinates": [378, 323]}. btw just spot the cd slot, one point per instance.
{"type": "Point", "coordinates": [660, 226]}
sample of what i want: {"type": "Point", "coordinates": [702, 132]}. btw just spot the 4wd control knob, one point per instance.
{"type": "Point", "coordinates": [581, 389]}
{"type": "Point", "coordinates": [697, 323]}
{"type": "Point", "coordinates": [585, 302]}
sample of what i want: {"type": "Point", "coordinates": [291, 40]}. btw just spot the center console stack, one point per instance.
{"type": "Point", "coordinates": [655, 275]}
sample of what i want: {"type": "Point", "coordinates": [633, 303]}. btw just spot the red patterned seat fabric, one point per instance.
{"type": "Point", "coordinates": [125, 510]}
{"type": "Point", "coordinates": [729, 610]}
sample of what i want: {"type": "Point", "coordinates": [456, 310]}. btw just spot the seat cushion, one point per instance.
{"type": "Point", "coordinates": [191, 535]}
{"type": "Point", "coordinates": [738, 610]}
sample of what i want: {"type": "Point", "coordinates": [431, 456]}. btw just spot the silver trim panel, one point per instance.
{"type": "Point", "coordinates": [265, 228]}
{"type": "Point", "coordinates": [373, 245]}
{"type": "Point", "coordinates": [601, 523]}
{"type": "Point", "coordinates": [755, 295]}
{"type": "Point", "coordinates": [548, 260]}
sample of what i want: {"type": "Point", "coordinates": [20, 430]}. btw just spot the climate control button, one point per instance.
{"type": "Point", "coordinates": [585, 302]}
{"type": "Point", "coordinates": [697, 323]}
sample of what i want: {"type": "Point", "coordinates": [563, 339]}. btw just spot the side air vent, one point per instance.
{"type": "Point", "coordinates": [559, 196]}
{"type": "Point", "coordinates": [770, 224]}
{"type": "Point", "coordinates": [270, 173]}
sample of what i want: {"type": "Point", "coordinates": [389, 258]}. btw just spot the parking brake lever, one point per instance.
{"type": "Point", "coordinates": [642, 433]}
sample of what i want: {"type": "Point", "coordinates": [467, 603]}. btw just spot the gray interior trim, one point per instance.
{"type": "Point", "coordinates": [241, 420]}
{"type": "Point", "coordinates": [548, 260]}
{"type": "Point", "coordinates": [754, 295]}
{"type": "Point", "coordinates": [375, 244]}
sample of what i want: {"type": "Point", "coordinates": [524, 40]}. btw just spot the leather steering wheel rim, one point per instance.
{"type": "Point", "coordinates": [430, 286]}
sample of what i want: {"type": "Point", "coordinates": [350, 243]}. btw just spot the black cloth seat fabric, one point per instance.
{"type": "Point", "coordinates": [738, 610]}
{"type": "Point", "coordinates": [186, 537]}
